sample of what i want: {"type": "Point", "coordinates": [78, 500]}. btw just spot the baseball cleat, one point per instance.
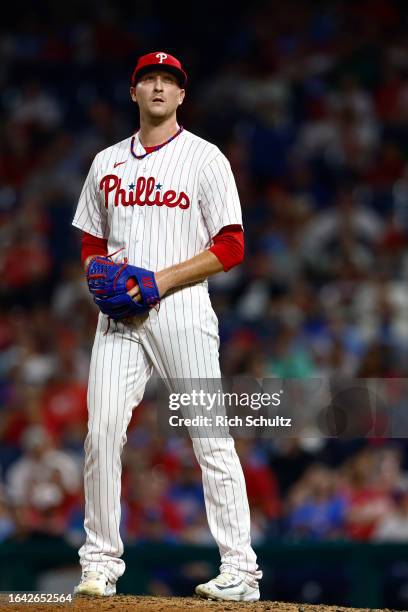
{"type": "Point", "coordinates": [95, 583]}
{"type": "Point", "coordinates": [227, 587]}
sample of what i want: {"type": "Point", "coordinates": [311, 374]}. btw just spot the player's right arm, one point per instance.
{"type": "Point", "coordinates": [91, 247]}
{"type": "Point", "coordinates": [91, 217]}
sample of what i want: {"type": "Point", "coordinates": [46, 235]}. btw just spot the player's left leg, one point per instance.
{"type": "Point", "coordinates": [182, 342]}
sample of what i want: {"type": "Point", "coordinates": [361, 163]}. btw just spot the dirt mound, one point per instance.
{"type": "Point", "coordinates": [128, 603]}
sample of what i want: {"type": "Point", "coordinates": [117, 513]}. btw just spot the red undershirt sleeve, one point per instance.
{"type": "Point", "coordinates": [91, 245]}
{"type": "Point", "coordinates": [229, 246]}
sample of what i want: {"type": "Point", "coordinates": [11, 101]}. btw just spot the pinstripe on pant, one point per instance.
{"type": "Point", "coordinates": [178, 342]}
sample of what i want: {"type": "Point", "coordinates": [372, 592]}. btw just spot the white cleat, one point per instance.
{"type": "Point", "coordinates": [227, 587]}
{"type": "Point", "coordinates": [95, 583]}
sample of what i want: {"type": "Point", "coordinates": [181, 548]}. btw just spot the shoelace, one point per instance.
{"type": "Point", "coordinates": [224, 578]}
{"type": "Point", "coordinates": [93, 575]}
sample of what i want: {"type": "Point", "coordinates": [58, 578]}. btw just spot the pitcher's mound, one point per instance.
{"type": "Point", "coordinates": [131, 603]}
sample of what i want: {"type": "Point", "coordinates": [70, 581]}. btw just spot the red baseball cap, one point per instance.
{"type": "Point", "coordinates": [159, 60]}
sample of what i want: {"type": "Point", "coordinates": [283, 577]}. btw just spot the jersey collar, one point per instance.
{"type": "Point", "coordinates": [138, 151]}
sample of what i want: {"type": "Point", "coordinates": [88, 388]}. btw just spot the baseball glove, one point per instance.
{"type": "Point", "coordinates": [107, 282]}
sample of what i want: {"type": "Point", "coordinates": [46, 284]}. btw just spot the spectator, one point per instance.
{"type": "Point", "coordinates": [393, 527]}
{"type": "Point", "coordinates": [7, 526]}
{"type": "Point", "coordinates": [368, 502]}
{"type": "Point", "coordinates": [289, 460]}
{"type": "Point", "coordinates": [151, 514]}
{"type": "Point", "coordinates": [316, 510]}
{"type": "Point", "coordinates": [43, 484]}
{"type": "Point", "coordinates": [261, 482]}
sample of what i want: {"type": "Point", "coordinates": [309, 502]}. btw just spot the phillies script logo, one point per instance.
{"type": "Point", "coordinates": [141, 194]}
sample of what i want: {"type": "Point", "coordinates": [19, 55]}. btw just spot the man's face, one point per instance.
{"type": "Point", "coordinates": [158, 94]}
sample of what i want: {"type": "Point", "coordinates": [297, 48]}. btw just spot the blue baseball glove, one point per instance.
{"type": "Point", "coordinates": [108, 283]}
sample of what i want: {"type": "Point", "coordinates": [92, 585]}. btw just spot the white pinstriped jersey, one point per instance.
{"type": "Point", "coordinates": [162, 209]}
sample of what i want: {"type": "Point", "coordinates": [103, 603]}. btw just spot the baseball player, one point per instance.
{"type": "Point", "coordinates": [159, 212]}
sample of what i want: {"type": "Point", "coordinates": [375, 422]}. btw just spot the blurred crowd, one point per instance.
{"type": "Point", "coordinates": [299, 489]}
{"type": "Point", "coordinates": [309, 101]}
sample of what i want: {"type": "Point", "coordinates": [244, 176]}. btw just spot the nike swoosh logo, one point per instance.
{"type": "Point", "coordinates": [119, 163]}
{"type": "Point", "coordinates": [228, 586]}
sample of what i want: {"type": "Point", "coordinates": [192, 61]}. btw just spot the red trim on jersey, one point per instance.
{"type": "Point", "coordinates": [229, 246]}
{"type": "Point", "coordinates": [92, 245]}
{"type": "Point", "coordinates": [149, 149]}
{"type": "Point", "coordinates": [154, 147]}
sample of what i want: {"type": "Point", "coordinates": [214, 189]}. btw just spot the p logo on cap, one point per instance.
{"type": "Point", "coordinates": [161, 56]}
{"type": "Point", "coordinates": [156, 60]}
